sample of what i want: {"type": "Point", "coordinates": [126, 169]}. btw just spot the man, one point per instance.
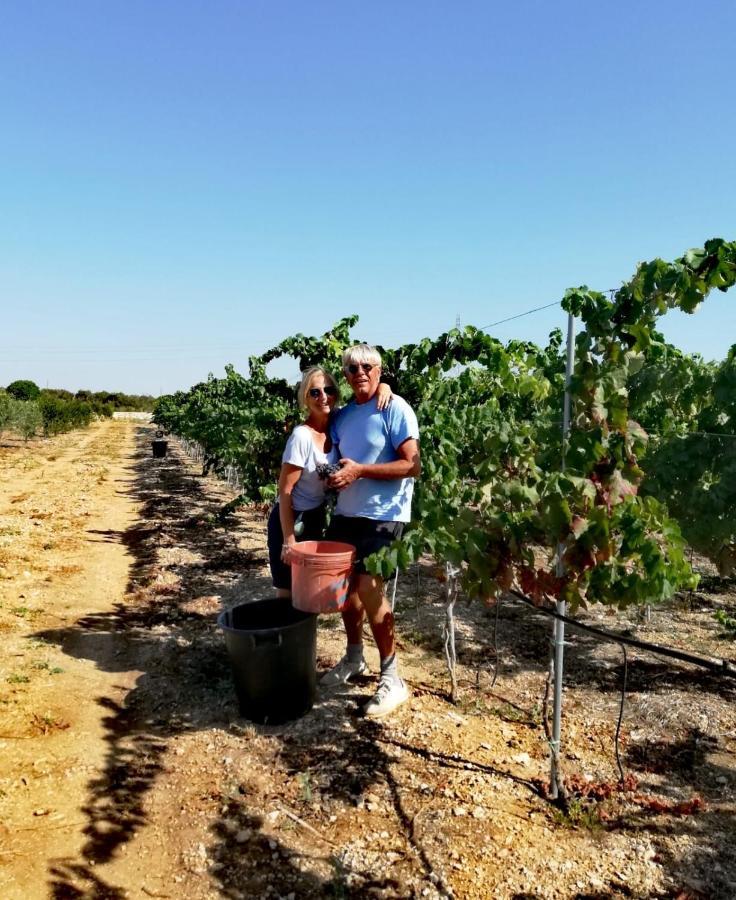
{"type": "Point", "coordinates": [380, 459]}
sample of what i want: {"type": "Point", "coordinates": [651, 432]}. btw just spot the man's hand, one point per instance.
{"type": "Point", "coordinates": [349, 472]}
{"type": "Point", "coordinates": [406, 466]}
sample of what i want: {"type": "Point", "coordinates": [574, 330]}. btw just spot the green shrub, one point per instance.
{"type": "Point", "coordinates": [103, 410]}
{"type": "Point", "coordinates": [24, 390]}
{"type": "Point", "coordinates": [60, 414]}
{"type": "Point", "coordinates": [55, 410]}
{"type": "Point", "coordinates": [117, 400]}
{"type": "Point", "coordinates": [6, 404]}
{"type": "Point", "coordinates": [25, 418]}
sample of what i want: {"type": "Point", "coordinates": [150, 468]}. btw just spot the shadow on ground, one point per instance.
{"type": "Point", "coordinates": [167, 630]}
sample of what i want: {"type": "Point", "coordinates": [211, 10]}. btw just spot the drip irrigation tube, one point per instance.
{"type": "Point", "coordinates": [719, 666]}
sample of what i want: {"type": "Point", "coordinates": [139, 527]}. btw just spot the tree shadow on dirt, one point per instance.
{"type": "Point", "coordinates": [687, 760]}
{"type": "Point", "coordinates": [516, 639]}
{"type": "Point", "coordinates": [251, 863]}
{"type": "Point", "coordinates": [166, 628]}
{"type": "Point", "coordinates": [499, 644]}
{"type": "Point", "coordinates": [643, 674]}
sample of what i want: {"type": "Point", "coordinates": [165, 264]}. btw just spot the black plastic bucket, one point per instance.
{"type": "Point", "coordinates": [159, 448]}
{"type": "Point", "coordinates": [273, 653]}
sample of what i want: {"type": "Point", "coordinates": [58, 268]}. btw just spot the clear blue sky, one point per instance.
{"type": "Point", "coordinates": [184, 184]}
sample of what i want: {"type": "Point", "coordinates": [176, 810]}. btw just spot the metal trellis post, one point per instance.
{"type": "Point", "coordinates": [558, 629]}
{"type": "Point", "coordinates": [393, 592]}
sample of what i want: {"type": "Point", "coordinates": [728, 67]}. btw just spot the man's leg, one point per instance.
{"type": "Point", "coordinates": [367, 598]}
{"type": "Point", "coordinates": [353, 662]}
{"type": "Point", "coordinates": [392, 691]}
{"type": "Point", "coordinates": [343, 529]}
{"type": "Point", "coordinates": [352, 618]}
{"type": "Point", "coordinates": [369, 593]}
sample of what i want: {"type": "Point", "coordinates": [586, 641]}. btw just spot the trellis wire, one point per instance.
{"type": "Point", "coordinates": [520, 315]}
{"type": "Point", "coordinates": [231, 474]}
{"type": "Point", "coordinates": [722, 667]}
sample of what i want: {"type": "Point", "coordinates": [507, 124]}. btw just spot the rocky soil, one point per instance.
{"type": "Point", "coordinates": [126, 770]}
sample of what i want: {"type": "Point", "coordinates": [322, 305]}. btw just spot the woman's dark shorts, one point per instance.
{"type": "Point", "coordinates": [366, 535]}
{"type": "Point", "coordinates": [314, 527]}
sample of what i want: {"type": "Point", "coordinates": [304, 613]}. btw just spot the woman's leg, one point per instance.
{"type": "Point", "coordinates": [280, 572]}
{"type": "Point", "coordinates": [314, 521]}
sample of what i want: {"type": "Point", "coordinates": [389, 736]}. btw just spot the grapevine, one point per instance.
{"type": "Point", "coordinates": [492, 499]}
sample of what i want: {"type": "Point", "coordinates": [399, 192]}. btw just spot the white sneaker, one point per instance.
{"type": "Point", "coordinates": [389, 695]}
{"type": "Point", "coordinates": [343, 672]}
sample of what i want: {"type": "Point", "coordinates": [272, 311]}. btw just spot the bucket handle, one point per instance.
{"type": "Point", "coordinates": [261, 640]}
{"type": "Point", "coordinates": [295, 559]}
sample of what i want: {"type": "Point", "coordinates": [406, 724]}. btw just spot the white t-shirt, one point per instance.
{"type": "Point", "coordinates": [300, 450]}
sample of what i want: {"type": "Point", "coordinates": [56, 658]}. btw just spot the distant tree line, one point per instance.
{"type": "Point", "coordinates": [27, 410]}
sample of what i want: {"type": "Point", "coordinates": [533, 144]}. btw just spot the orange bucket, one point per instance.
{"type": "Point", "coordinates": [320, 575]}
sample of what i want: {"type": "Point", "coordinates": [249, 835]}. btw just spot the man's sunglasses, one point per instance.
{"type": "Point", "coordinates": [328, 391]}
{"type": "Point", "coordinates": [354, 369]}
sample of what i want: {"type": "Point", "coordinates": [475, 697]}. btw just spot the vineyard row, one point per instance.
{"type": "Point", "coordinates": [650, 461]}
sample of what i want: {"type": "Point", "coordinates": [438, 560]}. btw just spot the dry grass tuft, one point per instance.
{"type": "Point", "coordinates": [46, 723]}
{"type": "Point", "coordinates": [67, 570]}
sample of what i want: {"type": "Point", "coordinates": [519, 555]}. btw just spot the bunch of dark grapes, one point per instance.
{"type": "Point", "coordinates": [324, 470]}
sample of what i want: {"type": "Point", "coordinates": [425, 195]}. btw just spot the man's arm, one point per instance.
{"type": "Point", "coordinates": [408, 465]}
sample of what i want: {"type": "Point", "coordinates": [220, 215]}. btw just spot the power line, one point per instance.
{"type": "Point", "coordinates": [99, 349]}
{"type": "Point", "coordinates": [520, 315]}
{"type": "Point", "coordinates": [611, 291]}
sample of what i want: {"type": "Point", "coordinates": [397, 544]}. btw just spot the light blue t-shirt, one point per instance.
{"type": "Point", "coordinates": [361, 433]}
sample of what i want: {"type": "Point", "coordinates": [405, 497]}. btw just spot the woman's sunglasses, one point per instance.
{"type": "Point", "coordinates": [328, 391]}
{"type": "Point", "coordinates": [354, 369]}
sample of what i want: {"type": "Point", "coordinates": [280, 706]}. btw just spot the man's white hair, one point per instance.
{"type": "Point", "coordinates": [360, 353]}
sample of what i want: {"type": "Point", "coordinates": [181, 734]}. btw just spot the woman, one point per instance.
{"type": "Point", "coordinates": [301, 490]}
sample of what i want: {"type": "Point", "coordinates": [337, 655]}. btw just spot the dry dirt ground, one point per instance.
{"type": "Point", "coordinates": [126, 771]}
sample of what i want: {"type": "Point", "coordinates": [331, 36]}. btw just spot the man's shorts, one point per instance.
{"type": "Point", "coordinates": [366, 535]}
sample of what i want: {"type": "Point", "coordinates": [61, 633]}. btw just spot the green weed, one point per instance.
{"type": "Point", "coordinates": [46, 723]}
{"type": "Point", "coordinates": [510, 713]}
{"type": "Point", "coordinates": [305, 782]}
{"type": "Point", "coordinates": [38, 643]}
{"type": "Point", "coordinates": [338, 885]}
{"type": "Point", "coordinates": [22, 611]}
{"type": "Point", "coordinates": [17, 679]}
{"type": "Point", "coordinates": [728, 622]}
{"type": "Point", "coordinates": [426, 641]}
{"type": "Point", "coordinates": [580, 815]}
